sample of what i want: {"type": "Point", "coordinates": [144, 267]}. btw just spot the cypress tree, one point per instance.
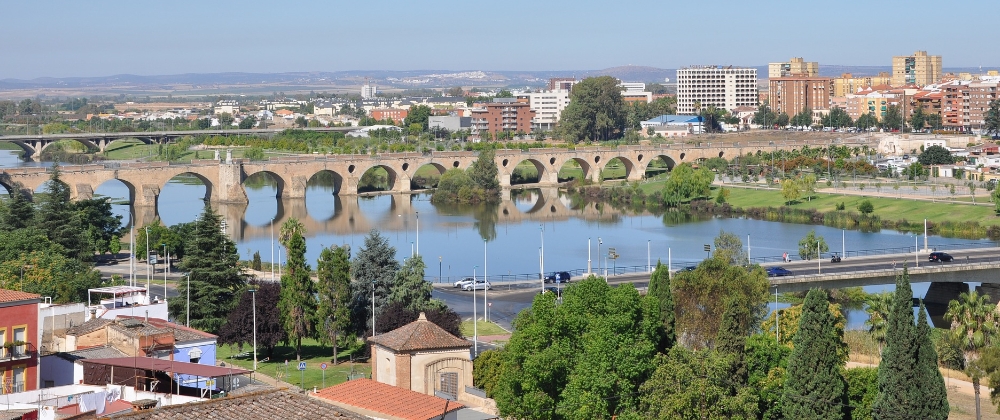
{"type": "Point", "coordinates": [897, 373]}
{"type": "Point", "coordinates": [297, 302]}
{"type": "Point", "coordinates": [814, 386]}
{"type": "Point", "coordinates": [334, 287]}
{"type": "Point", "coordinates": [18, 211]}
{"type": "Point", "coordinates": [659, 288]}
{"type": "Point", "coordinates": [933, 403]}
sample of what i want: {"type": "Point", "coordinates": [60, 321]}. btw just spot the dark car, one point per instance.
{"type": "Point", "coordinates": [940, 257]}
{"type": "Point", "coordinates": [688, 268]}
{"type": "Point", "coordinates": [778, 272]}
{"type": "Point", "coordinates": [558, 291]}
{"type": "Point", "coordinates": [558, 277]}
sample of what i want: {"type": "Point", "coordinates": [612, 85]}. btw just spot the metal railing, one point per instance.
{"type": "Point", "coordinates": [884, 251]}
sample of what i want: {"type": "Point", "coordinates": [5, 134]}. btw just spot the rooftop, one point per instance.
{"type": "Point", "coordinates": [269, 404]}
{"type": "Point", "coordinates": [367, 395]}
{"type": "Point", "coordinates": [97, 352]}
{"type": "Point", "coordinates": [160, 365]}
{"type": "Point", "coordinates": [420, 335]}
{"type": "Point", "coordinates": [15, 296]}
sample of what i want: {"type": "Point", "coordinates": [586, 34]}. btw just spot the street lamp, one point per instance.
{"type": "Point", "coordinates": [541, 228]}
{"type": "Point", "coordinates": [599, 242]}
{"type": "Point", "coordinates": [439, 269]}
{"type": "Point", "coordinates": [418, 232]}
{"type": "Point", "coordinates": [272, 250]}
{"type": "Point", "coordinates": [187, 315]}
{"type": "Point", "coordinates": [253, 295]}
{"type": "Point", "coordinates": [475, 324]}
{"type": "Point", "coordinates": [165, 264]}
{"type": "Point", "coordinates": [486, 313]}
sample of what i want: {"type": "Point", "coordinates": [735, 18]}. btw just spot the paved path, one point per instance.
{"type": "Point", "coordinates": [959, 385]}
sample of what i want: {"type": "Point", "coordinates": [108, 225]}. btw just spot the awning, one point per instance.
{"type": "Point", "coordinates": [160, 365]}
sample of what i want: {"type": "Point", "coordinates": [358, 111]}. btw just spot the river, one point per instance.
{"type": "Point", "coordinates": [451, 238]}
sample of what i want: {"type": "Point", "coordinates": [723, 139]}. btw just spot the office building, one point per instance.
{"type": "Point", "coordinates": [918, 69]}
{"type": "Point", "coordinates": [792, 94]}
{"type": "Point", "coordinates": [794, 67]}
{"type": "Point", "coordinates": [724, 87]}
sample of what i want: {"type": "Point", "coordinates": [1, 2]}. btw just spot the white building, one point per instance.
{"type": "Point", "coordinates": [548, 106]}
{"type": "Point", "coordinates": [722, 87]}
{"type": "Point", "coordinates": [368, 91]}
{"type": "Point", "coordinates": [229, 106]}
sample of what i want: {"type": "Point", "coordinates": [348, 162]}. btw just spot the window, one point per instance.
{"type": "Point", "coordinates": [18, 379]}
{"type": "Point", "coordinates": [449, 384]}
{"type": "Point", "coordinates": [20, 336]}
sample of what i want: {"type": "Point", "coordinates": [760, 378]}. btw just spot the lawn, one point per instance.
{"type": "Point", "coordinates": [886, 208]}
{"type": "Point", "coordinates": [313, 354]}
{"type": "Point", "coordinates": [484, 327]}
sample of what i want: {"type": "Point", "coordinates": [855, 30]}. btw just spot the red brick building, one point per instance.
{"type": "Point", "coordinates": [502, 116]}
{"type": "Point", "coordinates": [396, 115]}
{"type": "Point", "coordinates": [19, 338]}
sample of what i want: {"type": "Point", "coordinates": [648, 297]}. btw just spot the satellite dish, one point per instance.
{"type": "Point", "coordinates": [666, 80]}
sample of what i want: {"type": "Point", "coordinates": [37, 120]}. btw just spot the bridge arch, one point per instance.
{"type": "Point", "coordinates": [657, 165]}
{"type": "Point", "coordinates": [567, 169]}
{"type": "Point", "coordinates": [27, 148]}
{"type": "Point", "coordinates": [209, 187]}
{"type": "Point", "coordinates": [87, 144]}
{"type": "Point", "coordinates": [118, 189]}
{"type": "Point", "coordinates": [326, 179]}
{"type": "Point", "coordinates": [427, 175]}
{"type": "Point", "coordinates": [280, 184]}
{"type": "Point", "coordinates": [627, 164]}
{"type": "Point", "coordinates": [378, 177]}
{"type": "Point", "coordinates": [520, 173]}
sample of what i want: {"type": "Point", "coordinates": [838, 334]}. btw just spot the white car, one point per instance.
{"type": "Point", "coordinates": [461, 283]}
{"type": "Point", "coordinates": [478, 285]}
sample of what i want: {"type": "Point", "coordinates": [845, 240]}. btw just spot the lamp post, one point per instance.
{"type": "Point", "coordinates": [439, 268]}
{"type": "Point", "coordinates": [819, 260]}
{"type": "Point", "coordinates": [272, 250]}
{"type": "Point", "coordinates": [148, 275]}
{"type": "Point", "coordinates": [648, 266]}
{"type": "Point", "coordinates": [418, 232]}
{"type": "Point", "coordinates": [748, 249]}
{"type": "Point", "coordinates": [253, 295]}
{"type": "Point", "coordinates": [165, 263]}
{"type": "Point", "coordinates": [475, 324]}
{"type": "Point", "coordinates": [599, 242]}
{"type": "Point", "coordinates": [541, 229]}
{"type": "Point", "coordinates": [589, 271]}
{"type": "Point", "coordinates": [486, 312]}
{"type": "Point", "coordinates": [187, 315]}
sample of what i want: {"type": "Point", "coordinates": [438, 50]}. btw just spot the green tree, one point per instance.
{"type": "Point", "coordinates": [216, 280]}
{"type": "Point", "coordinates": [486, 370]}
{"type": "Point", "coordinates": [729, 248]}
{"type": "Point", "coordinates": [996, 199]}
{"type": "Point", "coordinates": [484, 172]}
{"type": "Point", "coordinates": [862, 390]}
{"type": "Point", "coordinates": [814, 387]}
{"type": "Point", "coordinates": [809, 245]}
{"type": "Point", "coordinates": [932, 403]}
{"type": "Point", "coordinates": [782, 119]}
{"type": "Point", "coordinates": [974, 324]}
{"type": "Point", "coordinates": [17, 212]}
{"type": "Point", "coordinates": [866, 207]}
{"type": "Point", "coordinates": [934, 121]}
{"type": "Point", "coordinates": [764, 116]}
{"type": "Point", "coordinates": [877, 306]}
{"type": "Point", "coordinates": [333, 315]}
{"type": "Point", "coordinates": [409, 287]}
{"type": "Point", "coordinates": [837, 118]}
{"type": "Point", "coordinates": [256, 264]}
{"type": "Point", "coordinates": [374, 269]}
{"type": "Point", "coordinates": [866, 121]}
{"type": "Point", "coordinates": [55, 216]}
{"type": "Point", "coordinates": [991, 121]}
{"type": "Point", "coordinates": [686, 183]}
{"type": "Point", "coordinates": [790, 190]}
{"type": "Point", "coordinates": [808, 183]}
{"type": "Point", "coordinates": [935, 155]}
{"type": "Point", "coordinates": [701, 296]}
{"type": "Point", "coordinates": [418, 115]}
{"type": "Point", "coordinates": [918, 119]}
{"type": "Point", "coordinates": [225, 120]}
{"type": "Point", "coordinates": [596, 111]}
{"type": "Point", "coordinates": [893, 119]}
{"type": "Point", "coordinates": [248, 122]}
{"type": "Point", "coordinates": [694, 385]}
{"type": "Point", "coordinates": [659, 288]}
{"type": "Point", "coordinates": [100, 225]}
{"type": "Point", "coordinates": [297, 302]}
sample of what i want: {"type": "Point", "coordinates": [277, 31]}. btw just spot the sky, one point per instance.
{"type": "Point", "coordinates": [50, 38]}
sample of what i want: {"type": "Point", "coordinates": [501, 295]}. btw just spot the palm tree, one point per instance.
{"type": "Point", "coordinates": [878, 314]}
{"type": "Point", "coordinates": [288, 229]}
{"type": "Point", "coordinates": [974, 325]}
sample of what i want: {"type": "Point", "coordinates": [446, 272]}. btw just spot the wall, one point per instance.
{"type": "Point", "coordinates": [423, 379]}
{"type": "Point", "coordinates": [182, 354]}
{"type": "Point", "coordinates": [386, 366]}
{"type": "Point", "coordinates": [18, 314]}
{"type": "Point", "coordinates": [60, 371]}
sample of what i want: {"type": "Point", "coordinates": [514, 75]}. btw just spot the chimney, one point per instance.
{"type": "Point", "coordinates": [147, 316]}
{"type": "Point", "coordinates": [422, 317]}
{"type": "Point", "coordinates": [93, 313]}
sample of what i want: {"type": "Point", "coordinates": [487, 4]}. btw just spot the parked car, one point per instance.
{"type": "Point", "coordinates": [558, 291]}
{"type": "Point", "coordinates": [478, 285]}
{"type": "Point", "coordinates": [778, 272]}
{"type": "Point", "coordinates": [557, 277]}
{"type": "Point", "coordinates": [940, 257]}
{"type": "Point", "coordinates": [461, 283]}
{"type": "Point", "coordinates": [688, 268]}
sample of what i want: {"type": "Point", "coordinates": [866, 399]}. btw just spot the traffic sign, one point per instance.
{"type": "Point", "coordinates": [708, 248]}
{"type": "Point", "coordinates": [302, 365]}
{"type": "Point", "coordinates": [322, 366]}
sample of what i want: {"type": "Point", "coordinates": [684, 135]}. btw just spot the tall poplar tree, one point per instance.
{"type": "Point", "coordinates": [659, 288]}
{"type": "Point", "coordinates": [298, 302]}
{"type": "Point", "coordinates": [814, 386]}
{"type": "Point", "coordinates": [333, 316]}
{"type": "Point", "coordinates": [212, 262]}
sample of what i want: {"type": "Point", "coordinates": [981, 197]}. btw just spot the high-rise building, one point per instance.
{"type": "Point", "coordinates": [368, 91]}
{"type": "Point", "coordinates": [981, 94]}
{"type": "Point", "coordinates": [848, 84]}
{"type": "Point", "coordinates": [561, 83]}
{"type": "Point", "coordinates": [503, 114]}
{"type": "Point", "coordinates": [918, 69]}
{"type": "Point", "coordinates": [548, 106]}
{"type": "Point", "coordinates": [792, 94]}
{"type": "Point", "coordinates": [794, 67]}
{"type": "Point", "coordinates": [725, 87]}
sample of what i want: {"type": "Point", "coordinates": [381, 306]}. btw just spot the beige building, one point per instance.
{"type": "Point", "coordinates": [423, 357]}
{"type": "Point", "coordinates": [848, 84]}
{"type": "Point", "coordinates": [792, 94]}
{"type": "Point", "coordinates": [981, 93]}
{"type": "Point", "coordinates": [918, 69]}
{"type": "Point", "coordinates": [723, 87]}
{"type": "Point", "coordinates": [794, 67]}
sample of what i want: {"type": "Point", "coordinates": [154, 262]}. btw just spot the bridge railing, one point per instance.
{"type": "Point", "coordinates": [885, 251]}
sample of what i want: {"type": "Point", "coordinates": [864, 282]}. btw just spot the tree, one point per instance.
{"type": "Point", "coordinates": [226, 120]}
{"type": "Point", "coordinates": [238, 329]}
{"type": "Point", "coordinates": [934, 121]}
{"type": "Point", "coordinates": [596, 111]}
{"type": "Point", "coordinates": [700, 299]}
{"type": "Point", "coordinates": [764, 116]}
{"type": "Point", "coordinates": [893, 119]}
{"type": "Point", "coordinates": [918, 119]}
{"type": "Point", "coordinates": [991, 121]}
{"type": "Point", "coordinates": [418, 115]}
{"type": "Point", "coordinates": [877, 306]}
{"type": "Point", "coordinates": [866, 207]}
{"type": "Point", "coordinates": [55, 216]}
{"type": "Point", "coordinates": [935, 155]}
{"type": "Point", "coordinates": [486, 370]}
{"type": "Point", "coordinates": [695, 385]}
{"type": "Point", "coordinates": [333, 315]}
{"type": "Point", "coordinates": [659, 288]}
{"type": "Point", "coordinates": [814, 387]}
{"type": "Point", "coordinates": [374, 269]}
{"type": "Point", "coordinates": [409, 287]}
{"type": "Point", "coordinates": [686, 183]}
{"type": "Point", "coordinates": [216, 280]}
{"type": "Point", "coordinates": [790, 190]}
{"type": "Point", "coordinates": [729, 248]}
{"type": "Point", "coordinates": [395, 315]}
{"type": "Point", "coordinates": [18, 212]}
{"type": "Point", "coordinates": [837, 118]}
{"type": "Point", "coordinates": [904, 379]}
{"type": "Point", "coordinates": [782, 120]}
{"type": "Point", "coordinates": [100, 225]}
{"type": "Point", "coordinates": [866, 121]}
{"type": "Point", "coordinates": [298, 302]}
{"type": "Point", "coordinates": [809, 245]}
{"type": "Point", "coordinates": [974, 325]}
{"type": "Point", "coordinates": [862, 390]}
{"type": "Point", "coordinates": [808, 182]}
{"type": "Point", "coordinates": [932, 403]}
{"type": "Point", "coordinates": [256, 264]}
{"type": "Point", "coordinates": [996, 199]}
{"type": "Point", "coordinates": [301, 122]}
{"type": "Point", "coordinates": [484, 172]}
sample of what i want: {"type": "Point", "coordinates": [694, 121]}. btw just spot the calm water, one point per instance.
{"type": "Point", "coordinates": [452, 239]}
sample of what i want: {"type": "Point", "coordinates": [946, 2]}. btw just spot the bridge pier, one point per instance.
{"type": "Point", "coordinates": [504, 180]}
{"type": "Point", "coordinates": [349, 187]}
{"type": "Point", "coordinates": [143, 215]}
{"type": "Point", "coordinates": [549, 177]}
{"type": "Point", "coordinates": [402, 184]}
{"type": "Point", "coordinates": [148, 196]}
{"type": "Point", "coordinates": [296, 188]}
{"type": "Point", "coordinates": [230, 186]}
{"type": "Point", "coordinates": [82, 192]}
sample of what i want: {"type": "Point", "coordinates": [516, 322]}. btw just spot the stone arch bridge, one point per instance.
{"type": "Point", "coordinates": [224, 180]}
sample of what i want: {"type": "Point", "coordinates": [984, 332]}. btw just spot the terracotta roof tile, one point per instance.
{"type": "Point", "coordinates": [270, 404]}
{"type": "Point", "coordinates": [14, 296]}
{"type": "Point", "coordinates": [89, 326]}
{"type": "Point", "coordinates": [393, 401]}
{"type": "Point", "coordinates": [419, 335]}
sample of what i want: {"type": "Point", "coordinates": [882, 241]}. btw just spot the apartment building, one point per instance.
{"type": "Point", "coordinates": [871, 102]}
{"type": "Point", "coordinates": [635, 92]}
{"type": "Point", "coordinates": [918, 69]}
{"type": "Point", "coordinates": [981, 94]}
{"type": "Point", "coordinates": [395, 114]}
{"type": "Point", "coordinates": [548, 106]}
{"type": "Point", "coordinates": [955, 105]}
{"type": "Point", "coordinates": [794, 67]}
{"type": "Point", "coordinates": [561, 83]}
{"type": "Point", "coordinates": [725, 87]}
{"type": "Point", "coordinates": [792, 94]}
{"type": "Point", "coordinates": [19, 338]}
{"type": "Point", "coordinates": [848, 84]}
{"type": "Point", "coordinates": [368, 91]}
{"type": "Point", "coordinates": [504, 114]}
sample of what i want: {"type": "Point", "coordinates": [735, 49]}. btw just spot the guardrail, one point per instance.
{"type": "Point", "coordinates": [884, 251]}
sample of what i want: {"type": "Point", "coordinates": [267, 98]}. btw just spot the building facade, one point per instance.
{"type": "Point", "coordinates": [981, 93]}
{"type": "Point", "coordinates": [918, 69]}
{"type": "Point", "coordinates": [561, 83]}
{"type": "Point", "coordinates": [724, 87]}
{"type": "Point", "coordinates": [548, 106]}
{"type": "Point", "coordinates": [395, 114]}
{"type": "Point", "coordinates": [792, 94]}
{"type": "Point", "coordinates": [794, 67]}
{"type": "Point", "coordinates": [495, 117]}
{"type": "Point", "coordinates": [848, 84]}
{"type": "Point", "coordinates": [368, 91]}
{"type": "Point", "coordinates": [19, 339]}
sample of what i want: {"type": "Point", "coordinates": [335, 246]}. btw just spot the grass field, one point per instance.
{"type": "Point", "coordinates": [886, 208]}
{"type": "Point", "coordinates": [484, 327]}
{"type": "Point", "coordinates": [313, 354]}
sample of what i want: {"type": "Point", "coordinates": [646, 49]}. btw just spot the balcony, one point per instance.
{"type": "Point", "coordinates": [10, 352]}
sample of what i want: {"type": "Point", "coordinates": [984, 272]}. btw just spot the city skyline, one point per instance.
{"type": "Point", "coordinates": [55, 39]}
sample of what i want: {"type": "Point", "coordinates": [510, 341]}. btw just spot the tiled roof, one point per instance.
{"type": "Point", "coordinates": [395, 402]}
{"type": "Point", "coordinates": [181, 333]}
{"type": "Point", "coordinates": [14, 296]}
{"type": "Point", "coordinates": [271, 404]}
{"type": "Point", "coordinates": [419, 335]}
{"type": "Point", "coordinates": [89, 326]}
{"type": "Point", "coordinates": [98, 352]}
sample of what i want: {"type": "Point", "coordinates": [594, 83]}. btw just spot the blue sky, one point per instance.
{"type": "Point", "coordinates": [48, 38]}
